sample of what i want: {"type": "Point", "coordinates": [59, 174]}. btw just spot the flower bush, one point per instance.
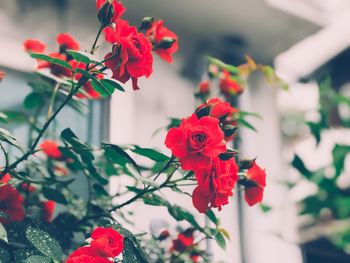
{"type": "Point", "coordinates": [37, 178]}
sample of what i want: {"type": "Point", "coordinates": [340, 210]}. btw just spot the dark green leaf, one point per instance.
{"type": "Point", "coordinates": [220, 240]}
{"type": "Point", "coordinates": [111, 85]}
{"type": "Point", "coordinates": [97, 85]}
{"type": "Point", "coordinates": [265, 208]}
{"type": "Point", "coordinates": [298, 164]}
{"type": "Point", "coordinates": [150, 153]}
{"type": "Point", "coordinates": [4, 255]}
{"type": "Point", "coordinates": [43, 242]}
{"type": "Point", "coordinates": [133, 252]}
{"type": "Point", "coordinates": [33, 100]}
{"type": "Point", "coordinates": [56, 61]}
{"type": "Point", "coordinates": [55, 195]}
{"type": "Point", "coordinates": [210, 214]}
{"type": "Point", "coordinates": [340, 152]}
{"type": "Point", "coordinates": [80, 56]}
{"type": "Point", "coordinates": [38, 259]}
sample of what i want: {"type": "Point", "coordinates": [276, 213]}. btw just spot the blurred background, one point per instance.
{"type": "Point", "coordinates": [306, 41]}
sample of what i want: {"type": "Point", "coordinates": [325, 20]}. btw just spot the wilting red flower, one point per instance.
{"type": "Point", "coordinates": [86, 255]}
{"type": "Point", "coordinates": [118, 8]}
{"type": "Point", "coordinates": [196, 141]}
{"type": "Point", "coordinates": [184, 241]}
{"type": "Point", "coordinates": [131, 56]}
{"type": "Point", "coordinates": [11, 203]}
{"type": "Point", "coordinates": [66, 41]}
{"type": "Point", "coordinates": [229, 86]}
{"type": "Point", "coordinates": [34, 46]}
{"type": "Point", "coordinates": [165, 41]}
{"type": "Point", "coordinates": [48, 209]}
{"type": "Point", "coordinates": [195, 257]}
{"type": "Point", "coordinates": [107, 242]}
{"type": "Point", "coordinates": [254, 194]}
{"type": "Point", "coordinates": [215, 184]}
{"type": "Point", "coordinates": [204, 87]}
{"type": "Point", "coordinates": [50, 148]}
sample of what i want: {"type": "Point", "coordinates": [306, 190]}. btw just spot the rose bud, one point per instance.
{"type": "Point", "coordinates": [146, 23]}
{"type": "Point", "coordinates": [204, 87]}
{"type": "Point", "coordinates": [106, 14]}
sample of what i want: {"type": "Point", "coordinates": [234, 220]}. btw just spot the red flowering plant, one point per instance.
{"type": "Point", "coordinates": [42, 218]}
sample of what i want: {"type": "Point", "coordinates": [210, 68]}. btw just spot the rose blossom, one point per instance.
{"type": "Point", "coordinates": [254, 194]}
{"type": "Point", "coordinates": [11, 204]}
{"type": "Point", "coordinates": [50, 148]}
{"type": "Point", "coordinates": [158, 34]}
{"type": "Point", "coordinates": [196, 141]}
{"type": "Point", "coordinates": [86, 255]}
{"type": "Point", "coordinates": [66, 41]}
{"type": "Point", "coordinates": [229, 86]}
{"type": "Point", "coordinates": [215, 184]}
{"type": "Point", "coordinates": [107, 242]}
{"type": "Point", "coordinates": [131, 56]}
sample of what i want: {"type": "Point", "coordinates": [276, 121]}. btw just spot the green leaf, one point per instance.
{"type": "Point", "coordinates": [80, 56]}
{"type": "Point", "coordinates": [43, 242]}
{"type": "Point", "coordinates": [55, 195]}
{"type": "Point", "coordinates": [150, 153]}
{"type": "Point", "coordinates": [104, 91]}
{"type": "Point", "coordinates": [210, 214]}
{"type": "Point", "coordinates": [111, 85]}
{"type": "Point", "coordinates": [265, 208]}
{"type": "Point", "coordinates": [6, 136]}
{"type": "Point", "coordinates": [38, 259]}
{"type": "Point", "coordinates": [100, 190]}
{"type": "Point", "coordinates": [15, 117]}
{"type": "Point", "coordinates": [298, 164]}
{"type": "Point", "coordinates": [33, 100]}
{"type": "Point", "coordinates": [220, 240]}
{"type": "Point", "coordinates": [4, 255]}
{"type": "Point", "coordinates": [246, 124]}
{"type": "Point", "coordinates": [339, 153]}
{"type": "Point", "coordinates": [3, 233]}
{"type": "Point", "coordinates": [181, 214]}
{"type": "Point", "coordinates": [84, 151]}
{"type": "Point", "coordinates": [132, 252]}
{"type": "Point", "coordinates": [56, 61]}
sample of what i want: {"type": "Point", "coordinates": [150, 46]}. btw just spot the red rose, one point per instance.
{"type": "Point", "coordinates": [229, 86]}
{"type": "Point", "coordinates": [204, 87]}
{"type": "Point", "coordinates": [133, 57]}
{"type": "Point", "coordinates": [2, 75]}
{"type": "Point", "coordinates": [107, 242]}
{"type": "Point", "coordinates": [66, 41]}
{"type": "Point", "coordinates": [86, 255]}
{"type": "Point", "coordinates": [34, 46]}
{"type": "Point", "coordinates": [184, 241]}
{"type": "Point", "coordinates": [196, 141]}
{"type": "Point", "coordinates": [254, 195]}
{"type": "Point", "coordinates": [215, 184]}
{"type": "Point", "coordinates": [48, 209]}
{"type": "Point", "coordinates": [118, 8]}
{"type": "Point", "coordinates": [50, 148]}
{"type": "Point", "coordinates": [11, 203]}
{"type": "Point", "coordinates": [165, 41]}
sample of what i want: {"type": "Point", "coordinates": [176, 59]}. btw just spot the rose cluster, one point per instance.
{"type": "Point", "coordinates": [230, 85]}
{"type": "Point", "coordinates": [65, 42]}
{"type": "Point", "coordinates": [106, 244]}
{"type": "Point", "coordinates": [131, 56]}
{"type": "Point", "coordinates": [199, 143]}
{"type": "Point", "coordinates": [12, 202]}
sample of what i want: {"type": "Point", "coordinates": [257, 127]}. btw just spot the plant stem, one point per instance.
{"type": "Point", "coordinates": [52, 100]}
{"type": "Point", "coordinates": [96, 40]}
